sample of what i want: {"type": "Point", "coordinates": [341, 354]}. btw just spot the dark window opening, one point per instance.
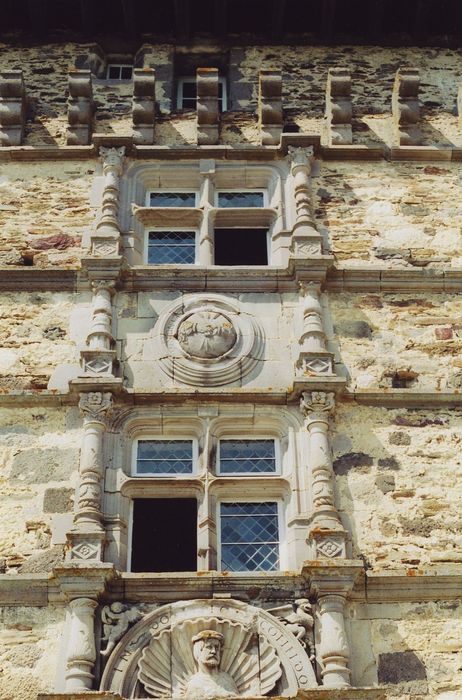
{"type": "Point", "coordinates": [403, 379]}
{"type": "Point", "coordinates": [241, 246]}
{"type": "Point", "coordinates": [164, 536]}
{"type": "Point", "coordinates": [119, 71]}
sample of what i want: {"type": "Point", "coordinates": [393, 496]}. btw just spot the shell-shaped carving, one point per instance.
{"type": "Point", "coordinates": [167, 664]}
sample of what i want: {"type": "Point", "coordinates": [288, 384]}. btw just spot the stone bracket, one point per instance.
{"type": "Point", "coordinates": [405, 108]}
{"type": "Point", "coordinates": [270, 117]}
{"type": "Point", "coordinates": [339, 110]}
{"type": "Point", "coordinates": [12, 108]}
{"type": "Point", "coordinates": [80, 108]}
{"type": "Point", "coordinates": [208, 116]}
{"type": "Point", "coordinates": [144, 105]}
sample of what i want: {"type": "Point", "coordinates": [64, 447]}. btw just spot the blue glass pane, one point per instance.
{"type": "Point", "coordinates": [164, 457]}
{"type": "Point", "coordinates": [171, 248]}
{"type": "Point", "coordinates": [250, 557]}
{"type": "Point", "coordinates": [172, 199]}
{"type": "Point", "coordinates": [240, 199]}
{"type": "Point", "coordinates": [249, 536]}
{"type": "Point", "coordinates": [247, 456]}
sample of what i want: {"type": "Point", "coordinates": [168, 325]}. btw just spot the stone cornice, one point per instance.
{"type": "Point", "coordinates": [443, 582]}
{"type": "Point", "coordinates": [264, 279]}
{"type": "Point", "coordinates": [354, 152]}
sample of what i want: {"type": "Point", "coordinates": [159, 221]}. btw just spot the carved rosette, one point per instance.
{"type": "Point", "coordinates": [207, 340]}
{"type": "Point", "coordinates": [259, 656]}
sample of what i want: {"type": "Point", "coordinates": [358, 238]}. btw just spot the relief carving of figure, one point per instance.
{"type": "Point", "coordinates": [209, 681]}
{"type": "Point", "coordinates": [298, 618]}
{"type": "Point", "coordinates": [206, 334]}
{"type": "Point", "coordinates": [116, 619]}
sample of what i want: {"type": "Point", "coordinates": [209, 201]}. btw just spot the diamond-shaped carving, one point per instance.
{"type": "Point", "coordinates": [329, 548]}
{"type": "Point", "coordinates": [85, 551]}
{"type": "Point", "coordinates": [99, 365]}
{"type": "Point", "coordinates": [105, 249]}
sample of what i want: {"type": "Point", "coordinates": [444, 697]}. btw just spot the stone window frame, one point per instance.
{"type": "Point", "coordinates": [204, 176]}
{"type": "Point", "coordinates": [291, 486]}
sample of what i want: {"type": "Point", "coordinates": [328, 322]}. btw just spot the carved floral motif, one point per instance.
{"type": "Point", "coordinates": [95, 404]}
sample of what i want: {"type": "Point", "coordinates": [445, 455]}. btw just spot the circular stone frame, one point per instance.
{"type": "Point", "coordinates": [226, 368]}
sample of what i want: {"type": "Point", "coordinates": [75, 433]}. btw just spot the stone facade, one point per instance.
{"type": "Point", "coordinates": [344, 351]}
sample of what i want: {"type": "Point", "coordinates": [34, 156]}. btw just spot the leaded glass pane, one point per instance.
{"type": "Point", "coordinates": [247, 457]}
{"type": "Point", "coordinates": [249, 536]}
{"type": "Point", "coordinates": [240, 199]}
{"type": "Point", "coordinates": [164, 457]}
{"type": "Point", "coordinates": [171, 247]}
{"type": "Point", "coordinates": [172, 199]}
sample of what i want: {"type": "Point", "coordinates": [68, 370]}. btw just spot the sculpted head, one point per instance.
{"type": "Point", "coordinates": [207, 647]}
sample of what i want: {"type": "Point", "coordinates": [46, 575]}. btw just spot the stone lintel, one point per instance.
{"type": "Point", "coordinates": [312, 694]}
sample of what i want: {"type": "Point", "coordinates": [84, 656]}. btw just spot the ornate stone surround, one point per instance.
{"type": "Point", "coordinates": [207, 340]}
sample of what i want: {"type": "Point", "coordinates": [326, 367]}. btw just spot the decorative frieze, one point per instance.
{"type": "Point", "coordinates": [306, 240]}
{"type": "Point", "coordinates": [314, 359]}
{"type": "Point", "coordinates": [326, 535]}
{"type": "Point", "coordinates": [144, 105]}
{"type": "Point", "coordinates": [80, 108]}
{"type": "Point", "coordinates": [405, 108]}
{"type": "Point", "coordinates": [208, 115]}
{"type": "Point", "coordinates": [87, 535]}
{"type": "Point", "coordinates": [270, 116]}
{"type": "Point", "coordinates": [339, 110]}
{"type": "Point", "coordinates": [12, 108]}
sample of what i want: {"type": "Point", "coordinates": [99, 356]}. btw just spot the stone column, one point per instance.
{"type": "Point", "coordinates": [313, 358]}
{"type": "Point", "coordinates": [87, 535]}
{"type": "Point", "coordinates": [206, 233]}
{"type": "Point", "coordinates": [106, 239]}
{"type": "Point", "coordinates": [334, 650]}
{"type": "Point", "coordinates": [306, 240]}
{"type": "Point", "coordinates": [81, 652]}
{"type": "Point", "coordinates": [100, 356]}
{"type": "Point", "coordinates": [326, 531]}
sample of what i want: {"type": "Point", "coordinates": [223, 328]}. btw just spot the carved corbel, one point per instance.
{"type": "Point", "coordinates": [144, 105]}
{"type": "Point", "coordinates": [314, 359]}
{"type": "Point", "coordinates": [326, 533]}
{"type": "Point", "coordinates": [80, 108]}
{"type": "Point", "coordinates": [207, 106]}
{"type": "Point", "coordinates": [406, 109]}
{"type": "Point", "coordinates": [270, 117]}
{"type": "Point", "coordinates": [12, 108]}
{"type": "Point", "coordinates": [306, 240]}
{"type": "Point", "coordinates": [87, 536]}
{"type": "Point", "coordinates": [339, 110]}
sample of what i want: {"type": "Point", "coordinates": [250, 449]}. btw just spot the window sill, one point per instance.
{"type": "Point", "coordinates": [170, 216]}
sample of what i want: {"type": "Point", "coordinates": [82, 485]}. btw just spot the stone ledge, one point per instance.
{"type": "Point", "coordinates": [404, 397]}
{"type": "Point", "coordinates": [379, 280]}
{"type": "Point", "coordinates": [313, 694]}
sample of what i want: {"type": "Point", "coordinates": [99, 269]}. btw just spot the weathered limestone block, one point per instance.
{"type": "Point", "coordinates": [208, 115]}
{"type": "Point", "coordinates": [80, 108]}
{"type": "Point", "coordinates": [144, 105]}
{"type": "Point", "coordinates": [270, 115]}
{"type": "Point", "coordinates": [405, 108]}
{"type": "Point", "coordinates": [339, 110]}
{"type": "Point", "coordinates": [12, 108]}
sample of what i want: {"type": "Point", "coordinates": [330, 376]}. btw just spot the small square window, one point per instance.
{"type": "Point", "coordinates": [247, 457]}
{"type": "Point", "coordinates": [164, 457]}
{"type": "Point", "coordinates": [249, 536]}
{"type": "Point", "coordinates": [171, 248]}
{"type": "Point", "coordinates": [240, 199]}
{"type": "Point", "coordinates": [187, 94]}
{"type": "Point", "coordinates": [119, 71]}
{"type": "Point", "coordinates": [172, 199]}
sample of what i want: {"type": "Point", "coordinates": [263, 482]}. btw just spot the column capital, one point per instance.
{"type": "Point", "coordinates": [301, 157]}
{"type": "Point", "coordinates": [316, 405]}
{"type": "Point", "coordinates": [96, 405]}
{"type": "Point", "coordinates": [112, 158]}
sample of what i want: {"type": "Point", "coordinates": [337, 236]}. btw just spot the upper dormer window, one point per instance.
{"type": "Point", "coordinates": [119, 71]}
{"type": "Point", "coordinates": [187, 93]}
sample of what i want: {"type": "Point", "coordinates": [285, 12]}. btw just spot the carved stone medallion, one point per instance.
{"type": "Point", "coordinates": [206, 340]}
{"type": "Point", "coordinates": [206, 334]}
{"type": "Point", "coordinates": [208, 649]}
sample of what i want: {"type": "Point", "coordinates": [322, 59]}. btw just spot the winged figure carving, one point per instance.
{"type": "Point", "coordinates": [208, 658]}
